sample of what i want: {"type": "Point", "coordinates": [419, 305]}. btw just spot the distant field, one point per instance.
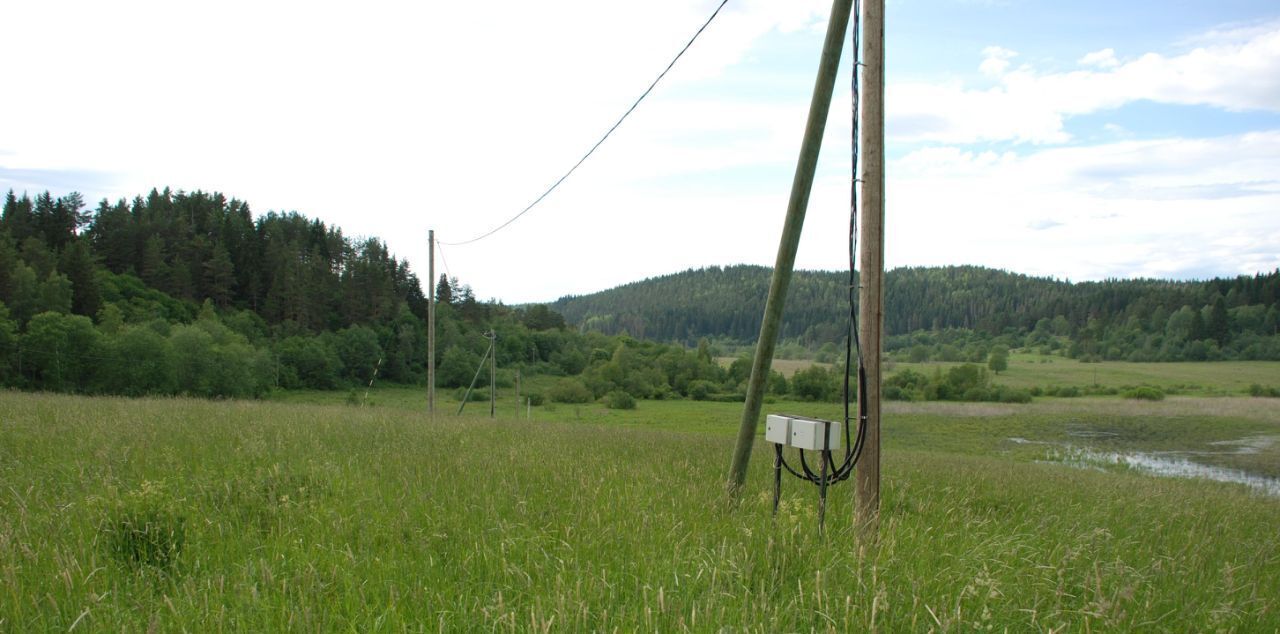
{"type": "Point", "coordinates": [1030, 370]}
{"type": "Point", "coordinates": [174, 514]}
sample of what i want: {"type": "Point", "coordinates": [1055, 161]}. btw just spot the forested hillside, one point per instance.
{"type": "Point", "coordinates": [1138, 319]}
{"type": "Point", "coordinates": [189, 293]}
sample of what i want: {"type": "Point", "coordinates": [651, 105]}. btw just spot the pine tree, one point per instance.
{"type": "Point", "coordinates": [1197, 331]}
{"type": "Point", "coordinates": [444, 291]}
{"type": "Point", "coordinates": [219, 277]}
{"type": "Point", "coordinates": [154, 270]}
{"type": "Point", "coordinates": [79, 266]}
{"type": "Point", "coordinates": [1218, 327]}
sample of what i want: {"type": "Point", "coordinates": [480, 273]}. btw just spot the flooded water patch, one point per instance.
{"type": "Point", "coordinates": [1171, 464]}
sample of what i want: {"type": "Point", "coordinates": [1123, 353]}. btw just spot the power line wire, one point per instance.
{"type": "Point", "coordinates": [445, 262]}
{"type": "Point", "coordinates": [602, 139]}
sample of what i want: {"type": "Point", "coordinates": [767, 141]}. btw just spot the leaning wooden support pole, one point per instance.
{"type": "Point", "coordinates": [431, 323]}
{"type": "Point", "coordinates": [801, 185]}
{"type": "Point", "coordinates": [871, 222]}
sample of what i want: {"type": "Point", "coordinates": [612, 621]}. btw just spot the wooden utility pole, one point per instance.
{"type": "Point", "coordinates": [493, 374]}
{"type": "Point", "coordinates": [431, 322]}
{"type": "Point", "coordinates": [871, 221]}
{"type": "Point", "coordinates": [517, 393]}
{"type": "Point", "coordinates": [801, 185]}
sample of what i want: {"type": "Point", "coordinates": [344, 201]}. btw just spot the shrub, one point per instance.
{"type": "Point", "coordinates": [310, 361]}
{"type": "Point", "coordinates": [1263, 391]}
{"type": "Point", "coordinates": [618, 399]}
{"type": "Point", "coordinates": [150, 369]}
{"type": "Point", "coordinates": [535, 398]}
{"type": "Point", "coordinates": [815, 383]}
{"type": "Point", "coordinates": [1145, 393]}
{"type": "Point", "coordinates": [570, 391]}
{"type": "Point", "coordinates": [1012, 395]}
{"type": "Point", "coordinates": [895, 393]}
{"type": "Point", "coordinates": [476, 394]}
{"type": "Point", "coordinates": [701, 390]}
{"type": "Point", "coordinates": [457, 367]}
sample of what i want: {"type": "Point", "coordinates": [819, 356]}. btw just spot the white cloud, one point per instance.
{"type": "Point", "coordinates": [1105, 58]}
{"type": "Point", "coordinates": [393, 117]}
{"type": "Point", "coordinates": [1234, 70]}
{"type": "Point", "coordinates": [995, 60]}
{"type": "Point", "coordinates": [399, 117]}
{"type": "Point", "coordinates": [1117, 210]}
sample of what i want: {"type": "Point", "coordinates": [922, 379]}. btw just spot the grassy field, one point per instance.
{"type": "Point", "coordinates": [1210, 379]}
{"type": "Point", "coordinates": [1028, 370]}
{"type": "Point", "coordinates": [190, 515]}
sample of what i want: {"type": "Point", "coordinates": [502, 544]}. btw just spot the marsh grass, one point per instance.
{"type": "Point", "coordinates": [314, 517]}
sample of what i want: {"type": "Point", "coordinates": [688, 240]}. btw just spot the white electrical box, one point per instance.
{"type": "Point", "coordinates": [777, 429]}
{"type": "Point", "coordinates": [806, 433]}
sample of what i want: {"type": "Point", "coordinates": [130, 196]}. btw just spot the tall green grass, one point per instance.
{"type": "Point", "coordinates": [271, 516]}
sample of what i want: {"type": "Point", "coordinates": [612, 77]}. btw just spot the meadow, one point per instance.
{"type": "Point", "coordinates": [1219, 378]}
{"type": "Point", "coordinates": [313, 514]}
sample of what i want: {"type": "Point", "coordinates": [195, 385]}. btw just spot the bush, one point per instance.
{"type": "Point", "coordinates": [1264, 391]}
{"type": "Point", "coordinates": [535, 398]}
{"type": "Point", "coordinates": [815, 383]}
{"type": "Point", "coordinates": [618, 399]}
{"type": "Point", "coordinates": [457, 367]}
{"type": "Point", "coordinates": [701, 390]}
{"type": "Point", "coordinates": [570, 391]}
{"type": "Point", "coordinates": [150, 369]}
{"type": "Point", "coordinates": [305, 362]}
{"type": "Point", "coordinates": [476, 394]}
{"type": "Point", "coordinates": [1012, 395]}
{"type": "Point", "coordinates": [1145, 393]}
{"type": "Point", "coordinates": [62, 350]}
{"type": "Point", "coordinates": [895, 393]}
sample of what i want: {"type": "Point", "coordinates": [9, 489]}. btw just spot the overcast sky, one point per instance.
{"type": "Point", "coordinates": [1079, 140]}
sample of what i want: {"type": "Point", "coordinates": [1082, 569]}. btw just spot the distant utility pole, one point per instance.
{"type": "Point", "coordinates": [493, 374]}
{"type": "Point", "coordinates": [871, 295]}
{"type": "Point", "coordinates": [489, 355]}
{"type": "Point", "coordinates": [801, 185]}
{"type": "Point", "coordinates": [431, 323]}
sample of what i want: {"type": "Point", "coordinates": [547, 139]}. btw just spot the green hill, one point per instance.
{"type": "Point", "coordinates": [727, 302]}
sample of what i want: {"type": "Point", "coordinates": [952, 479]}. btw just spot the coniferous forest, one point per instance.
{"type": "Point", "coordinates": [940, 307]}
{"type": "Point", "coordinates": [190, 293]}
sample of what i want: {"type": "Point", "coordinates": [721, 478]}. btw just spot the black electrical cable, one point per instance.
{"type": "Point", "coordinates": [853, 450]}
{"type": "Point", "coordinates": [602, 139]}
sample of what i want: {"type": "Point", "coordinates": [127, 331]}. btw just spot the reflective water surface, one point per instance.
{"type": "Point", "coordinates": [1173, 464]}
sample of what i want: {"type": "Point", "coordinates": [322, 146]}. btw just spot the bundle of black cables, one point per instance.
{"type": "Point", "coordinates": [828, 472]}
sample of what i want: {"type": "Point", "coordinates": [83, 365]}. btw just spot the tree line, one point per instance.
{"type": "Point", "coordinates": [189, 293]}
{"type": "Point", "coordinates": [1141, 320]}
